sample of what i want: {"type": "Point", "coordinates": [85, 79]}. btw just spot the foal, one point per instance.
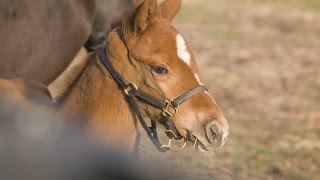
{"type": "Point", "coordinates": [147, 50]}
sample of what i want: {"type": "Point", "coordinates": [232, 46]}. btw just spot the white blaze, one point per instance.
{"type": "Point", "coordinates": [198, 79]}
{"type": "Point", "coordinates": [182, 50]}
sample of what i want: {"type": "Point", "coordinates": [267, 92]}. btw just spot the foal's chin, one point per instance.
{"type": "Point", "coordinates": [206, 151]}
{"type": "Point", "coordinates": [200, 143]}
{"type": "Point", "coordinates": [199, 146]}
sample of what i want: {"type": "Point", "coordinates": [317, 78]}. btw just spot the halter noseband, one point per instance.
{"type": "Point", "coordinates": [167, 106]}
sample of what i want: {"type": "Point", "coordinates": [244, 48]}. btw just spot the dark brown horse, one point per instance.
{"type": "Point", "coordinates": [39, 39]}
{"type": "Point", "coordinates": [106, 11]}
{"type": "Point", "coordinates": [147, 51]}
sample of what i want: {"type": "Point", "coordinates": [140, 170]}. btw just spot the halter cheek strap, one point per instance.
{"type": "Point", "coordinates": [168, 107]}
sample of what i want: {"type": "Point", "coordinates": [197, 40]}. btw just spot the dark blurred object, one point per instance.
{"type": "Point", "coordinates": [35, 145]}
{"type": "Point", "coordinates": [39, 38]}
{"type": "Point", "coordinates": [106, 12]}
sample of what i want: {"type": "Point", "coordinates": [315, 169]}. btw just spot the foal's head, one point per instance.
{"type": "Point", "coordinates": [160, 62]}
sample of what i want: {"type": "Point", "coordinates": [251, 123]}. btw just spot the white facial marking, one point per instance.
{"type": "Point", "coordinates": [197, 78]}
{"type": "Point", "coordinates": [225, 135]}
{"type": "Point", "coordinates": [182, 50]}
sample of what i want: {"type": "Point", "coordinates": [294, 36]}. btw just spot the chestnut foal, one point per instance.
{"type": "Point", "coordinates": [145, 70]}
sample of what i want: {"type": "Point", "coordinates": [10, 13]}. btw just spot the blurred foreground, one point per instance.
{"type": "Point", "coordinates": [36, 146]}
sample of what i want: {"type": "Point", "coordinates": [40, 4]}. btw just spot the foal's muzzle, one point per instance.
{"type": "Point", "coordinates": [217, 133]}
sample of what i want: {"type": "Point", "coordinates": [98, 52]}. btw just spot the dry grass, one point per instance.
{"type": "Point", "coordinates": [261, 60]}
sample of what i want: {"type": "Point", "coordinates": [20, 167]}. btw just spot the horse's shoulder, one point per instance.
{"type": "Point", "coordinates": [25, 90]}
{"type": "Point", "coordinates": [11, 86]}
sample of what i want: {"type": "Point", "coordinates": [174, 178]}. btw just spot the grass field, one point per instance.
{"type": "Point", "coordinates": [261, 60]}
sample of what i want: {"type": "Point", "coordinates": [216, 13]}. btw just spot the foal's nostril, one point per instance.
{"type": "Point", "coordinates": [217, 133]}
{"type": "Point", "coordinates": [213, 133]}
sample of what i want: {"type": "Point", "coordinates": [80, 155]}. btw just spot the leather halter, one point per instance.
{"type": "Point", "coordinates": [167, 106]}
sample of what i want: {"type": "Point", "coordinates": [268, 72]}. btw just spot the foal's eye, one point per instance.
{"type": "Point", "coordinates": [160, 69]}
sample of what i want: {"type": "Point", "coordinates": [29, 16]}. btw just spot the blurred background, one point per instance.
{"type": "Point", "coordinates": [261, 61]}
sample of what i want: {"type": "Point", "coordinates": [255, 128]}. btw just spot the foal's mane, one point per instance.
{"type": "Point", "coordinates": [70, 78]}
{"type": "Point", "coordinates": [118, 21]}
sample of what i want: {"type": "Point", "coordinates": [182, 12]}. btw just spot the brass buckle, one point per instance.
{"type": "Point", "coordinates": [167, 107]}
{"type": "Point", "coordinates": [130, 87]}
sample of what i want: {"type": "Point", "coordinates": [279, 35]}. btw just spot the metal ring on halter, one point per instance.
{"type": "Point", "coordinates": [195, 143]}
{"type": "Point", "coordinates": [168, 146]}
{"type": "Point", "coordinates": [130, 87]}
{"type": "Point", "coordinates": [174, 136]}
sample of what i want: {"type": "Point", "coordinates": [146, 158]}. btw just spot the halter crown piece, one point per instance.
{"type": "Point", "coordinates": [168, 107]}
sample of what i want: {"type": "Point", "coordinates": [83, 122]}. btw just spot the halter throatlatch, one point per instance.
{"type": "Point", "coordinates": [168, 107]}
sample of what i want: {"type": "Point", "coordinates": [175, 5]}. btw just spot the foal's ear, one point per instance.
{"type": "Point", "coordinates": [169, 8]}
{"type": "Point", "coordinates": [143, 15]}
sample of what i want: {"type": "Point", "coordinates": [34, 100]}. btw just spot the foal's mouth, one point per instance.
{"type": "Point", "coordinates": [199, 144]}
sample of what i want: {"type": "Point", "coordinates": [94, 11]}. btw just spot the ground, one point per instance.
{"type": "Point", "coordinates": [261, 61]}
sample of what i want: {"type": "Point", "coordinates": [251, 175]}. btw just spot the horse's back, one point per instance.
{"type": "Point", "coordinates": [40, 38]}
{"type": "Point", "coordinates": [28, 91]}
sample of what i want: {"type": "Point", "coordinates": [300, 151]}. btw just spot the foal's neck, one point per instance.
{"type": "Point", "coordinates": [94, 100]}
